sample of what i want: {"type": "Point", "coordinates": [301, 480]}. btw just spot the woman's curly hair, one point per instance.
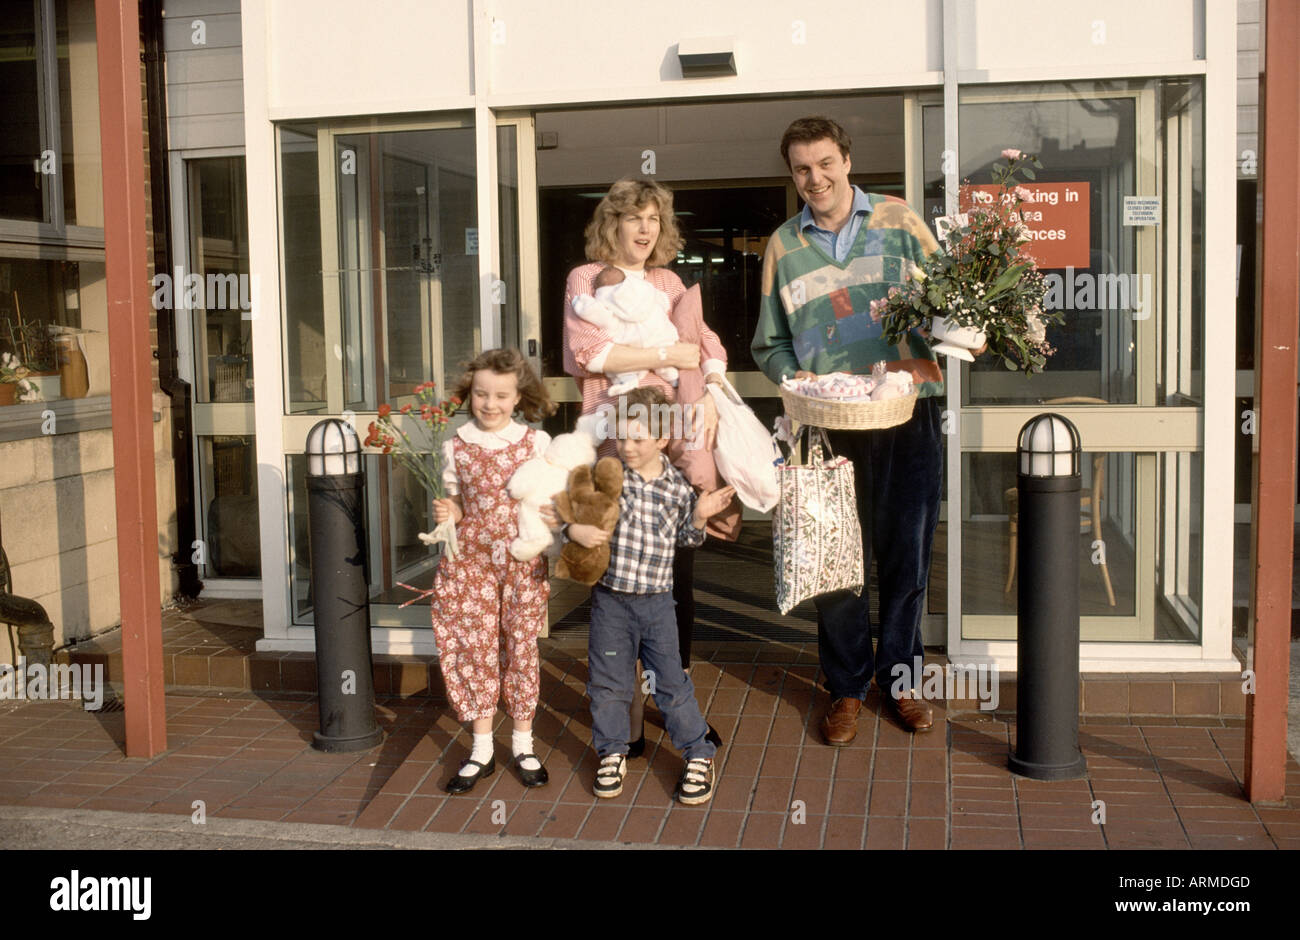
{"type": "Point", "coordinates": [632, 195]}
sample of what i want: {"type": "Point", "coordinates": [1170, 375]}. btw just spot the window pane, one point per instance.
{"type": "Point", "coordinates": [81, 175]}
{"type": "Point", "coordinates": [396, 511]}
{"type": "Point", "coordinates": [21, 135]}
{"type": "Point", "coordinates": [507, 298]}
{"type": "Point", "coordinates": [1131, 293]}
{"type": "Point", "coordinates": [228, 478]}
{"type": "Point", "coordinates": [218, 225]}
{"type": "Point", "coordinates": [54, 320]}
{"type": "Point", "coordinates": [1179, 546]}
{"type": "Point", "coordinates": [406, 280]}
{"type": "Point", "coordinates": [303, 298]}
{"type": "Point", "coordinates": [990, 529]}
{"type": "Point", "coordinates": [1124, 537]}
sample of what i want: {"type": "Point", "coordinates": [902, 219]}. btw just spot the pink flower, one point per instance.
{"type": "Point", "coordinates": [1012, 154]}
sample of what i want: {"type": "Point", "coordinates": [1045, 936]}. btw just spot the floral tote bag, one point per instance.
{"type": "Point", "coordinates": [817, 541]}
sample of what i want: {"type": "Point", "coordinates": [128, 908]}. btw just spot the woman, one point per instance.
{"type": "Point", "coordinates": [634, 229]}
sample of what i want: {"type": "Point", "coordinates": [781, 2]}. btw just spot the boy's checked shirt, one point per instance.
{"type": "Point", "coordinates": [654, 517]}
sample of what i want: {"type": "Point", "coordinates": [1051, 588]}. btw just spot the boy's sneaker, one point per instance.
{"type": "Point", "coordinates": [610, 774]}
{"type": "Point", "coordinates": [696, 784]}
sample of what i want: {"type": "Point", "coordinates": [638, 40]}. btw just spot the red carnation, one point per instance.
{"type": "Point", "coordinates": [385, 410]}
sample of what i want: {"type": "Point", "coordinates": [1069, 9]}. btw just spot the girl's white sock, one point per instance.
{"type": "Point", "coordinates": [481, 752]}
{"type": "Point", "coordinates": [521, 743]}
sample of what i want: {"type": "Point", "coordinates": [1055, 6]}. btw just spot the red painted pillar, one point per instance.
{"type": "Point", "coordinates": [121, 134]}
{"type": "Point", "coordinates": [1275, 396]}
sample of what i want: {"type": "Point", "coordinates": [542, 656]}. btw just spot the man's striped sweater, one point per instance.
{"type": "Point", "coordinates": [815, 313]}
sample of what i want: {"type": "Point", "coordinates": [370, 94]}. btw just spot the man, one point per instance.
{"type": "Point", "coordinates": [821, 271]}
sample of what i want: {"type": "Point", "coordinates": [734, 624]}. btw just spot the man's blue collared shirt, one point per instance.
{"type": "Point", "coordinates": [837, 244]}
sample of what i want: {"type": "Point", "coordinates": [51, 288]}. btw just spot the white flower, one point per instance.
{"type": "Point", "coordinates": [1037, 329]}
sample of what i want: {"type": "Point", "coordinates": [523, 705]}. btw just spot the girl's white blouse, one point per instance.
{"type": "Point", "coordinates": [471, 433]}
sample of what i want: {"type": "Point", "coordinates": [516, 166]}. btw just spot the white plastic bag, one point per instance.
{"type": "Point", "coordinates": [745, 452]}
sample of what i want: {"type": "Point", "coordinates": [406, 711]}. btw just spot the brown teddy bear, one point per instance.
{"type": "Point", "coordinates": [591, 498]}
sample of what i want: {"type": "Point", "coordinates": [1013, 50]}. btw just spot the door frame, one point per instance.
{"type": "Point", "coordinates": [208, 419]}
{"type": "Point", "coordinates": [1146, 432]}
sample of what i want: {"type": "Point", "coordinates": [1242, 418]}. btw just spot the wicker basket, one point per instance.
{"type": "Point", "coordinates": [848, 415]}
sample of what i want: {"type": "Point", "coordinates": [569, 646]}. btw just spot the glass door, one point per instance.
{"type": "Point", "coordinates": [1115, 227]}
{"type": "Point", "coordinates": [213, 300]}
{"type": "Point", "coordinates": [397, 282]}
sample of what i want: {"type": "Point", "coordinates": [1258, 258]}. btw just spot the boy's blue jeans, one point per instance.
{"type": "Point", "coordinates": [624, 626]}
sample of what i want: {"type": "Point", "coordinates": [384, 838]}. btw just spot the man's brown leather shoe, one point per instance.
{"type": "Point", "coordinates": [914, 713]}
{"type": "Point", "coordinates": [840, 726]}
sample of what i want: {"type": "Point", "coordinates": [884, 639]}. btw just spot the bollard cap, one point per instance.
{"type": "Point", "coordinates": [1048, 447]}
{"type": "Point", "coordinates": [333, 449]}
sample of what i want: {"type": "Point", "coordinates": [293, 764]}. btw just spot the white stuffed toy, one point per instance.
{"type": "Point", "coordinates": [538, 479]}
{"type": "Point", "coordinates": [633, 313]}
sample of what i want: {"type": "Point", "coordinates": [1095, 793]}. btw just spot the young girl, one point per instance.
{"type": "Point", "coordinates": [489, 608]}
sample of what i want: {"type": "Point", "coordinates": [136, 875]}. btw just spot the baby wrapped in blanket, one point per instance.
{"type": "Point", "coordinates": [634, 314]}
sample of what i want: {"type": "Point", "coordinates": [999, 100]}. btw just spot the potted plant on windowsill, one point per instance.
{"type": "Point", "coordinates": [15, 385]}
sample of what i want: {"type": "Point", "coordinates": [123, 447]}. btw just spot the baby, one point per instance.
{"type": "Point", "coordinates": [634, 314]}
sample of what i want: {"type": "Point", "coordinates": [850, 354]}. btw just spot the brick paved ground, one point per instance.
{"type": "Point", "coordinates": [1167, 782]}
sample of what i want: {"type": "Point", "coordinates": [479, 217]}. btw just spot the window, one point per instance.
{"type": "Point", "coordinates": [53, 306]}
{"type": "Point", "coordinates": [49, 151]}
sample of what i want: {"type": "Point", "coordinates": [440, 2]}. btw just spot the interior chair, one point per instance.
{"type": "Point", "coordinates": [1089, 505]}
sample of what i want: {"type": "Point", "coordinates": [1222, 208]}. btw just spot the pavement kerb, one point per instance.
{"type": "Point", "coordinates": [69, 829]}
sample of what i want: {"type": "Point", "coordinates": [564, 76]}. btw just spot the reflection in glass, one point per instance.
{"type": "Point", "coordinates": [304, 335]}
{"type": "Point", "coordinates": [1179, 546]}
{"type": "Point", "coordinates": [78, 78]}
{"type": "Point", "coordinates": [54, 319]}
{"type": "Point", "coordinates": [1118, 298]}
{"type": "Point", "coordinates": [355, 270]}
{"type": "Point", "coordinates": [397, 510]}
{"type": "Point", "coordinates": [407, 275]}
{"type": "Point", "coordinates": [507, 294]}
{"type": "Point", "coordinates": [228, 508]}
{"type": "Point", "coordinates": [23, 139]}
{"type": "Point", "coordinates": [218, 225]}
{"type": "Point", "coordinates": [990, 532]}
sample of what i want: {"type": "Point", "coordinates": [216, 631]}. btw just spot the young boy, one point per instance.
{"type": "Point", "coordinates": [632, 612]}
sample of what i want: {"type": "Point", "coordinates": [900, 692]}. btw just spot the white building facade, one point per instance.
{"type": "Point", "coordinates": [416, 177]}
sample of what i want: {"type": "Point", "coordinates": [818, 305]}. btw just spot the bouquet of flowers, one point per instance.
{"type": "Point", "coordinates": [982, 285]}
{"type": "Point", "coordinates": [421, 453]}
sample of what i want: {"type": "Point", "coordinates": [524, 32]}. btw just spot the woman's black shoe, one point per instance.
{"type": "Point", "coordinates": [463, 784]}
{"type": "Point", "coordinates": [713, 737]}
{"type": "Point", "coordinates": [531, 778]}
{"type": "Point", "coordinates": [636, 748]}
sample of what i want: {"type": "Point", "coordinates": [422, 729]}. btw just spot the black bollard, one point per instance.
{"type": "Point", "coordinates": [1047, 621]}
{"type": "Point", "coordinates": [344, 671]}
